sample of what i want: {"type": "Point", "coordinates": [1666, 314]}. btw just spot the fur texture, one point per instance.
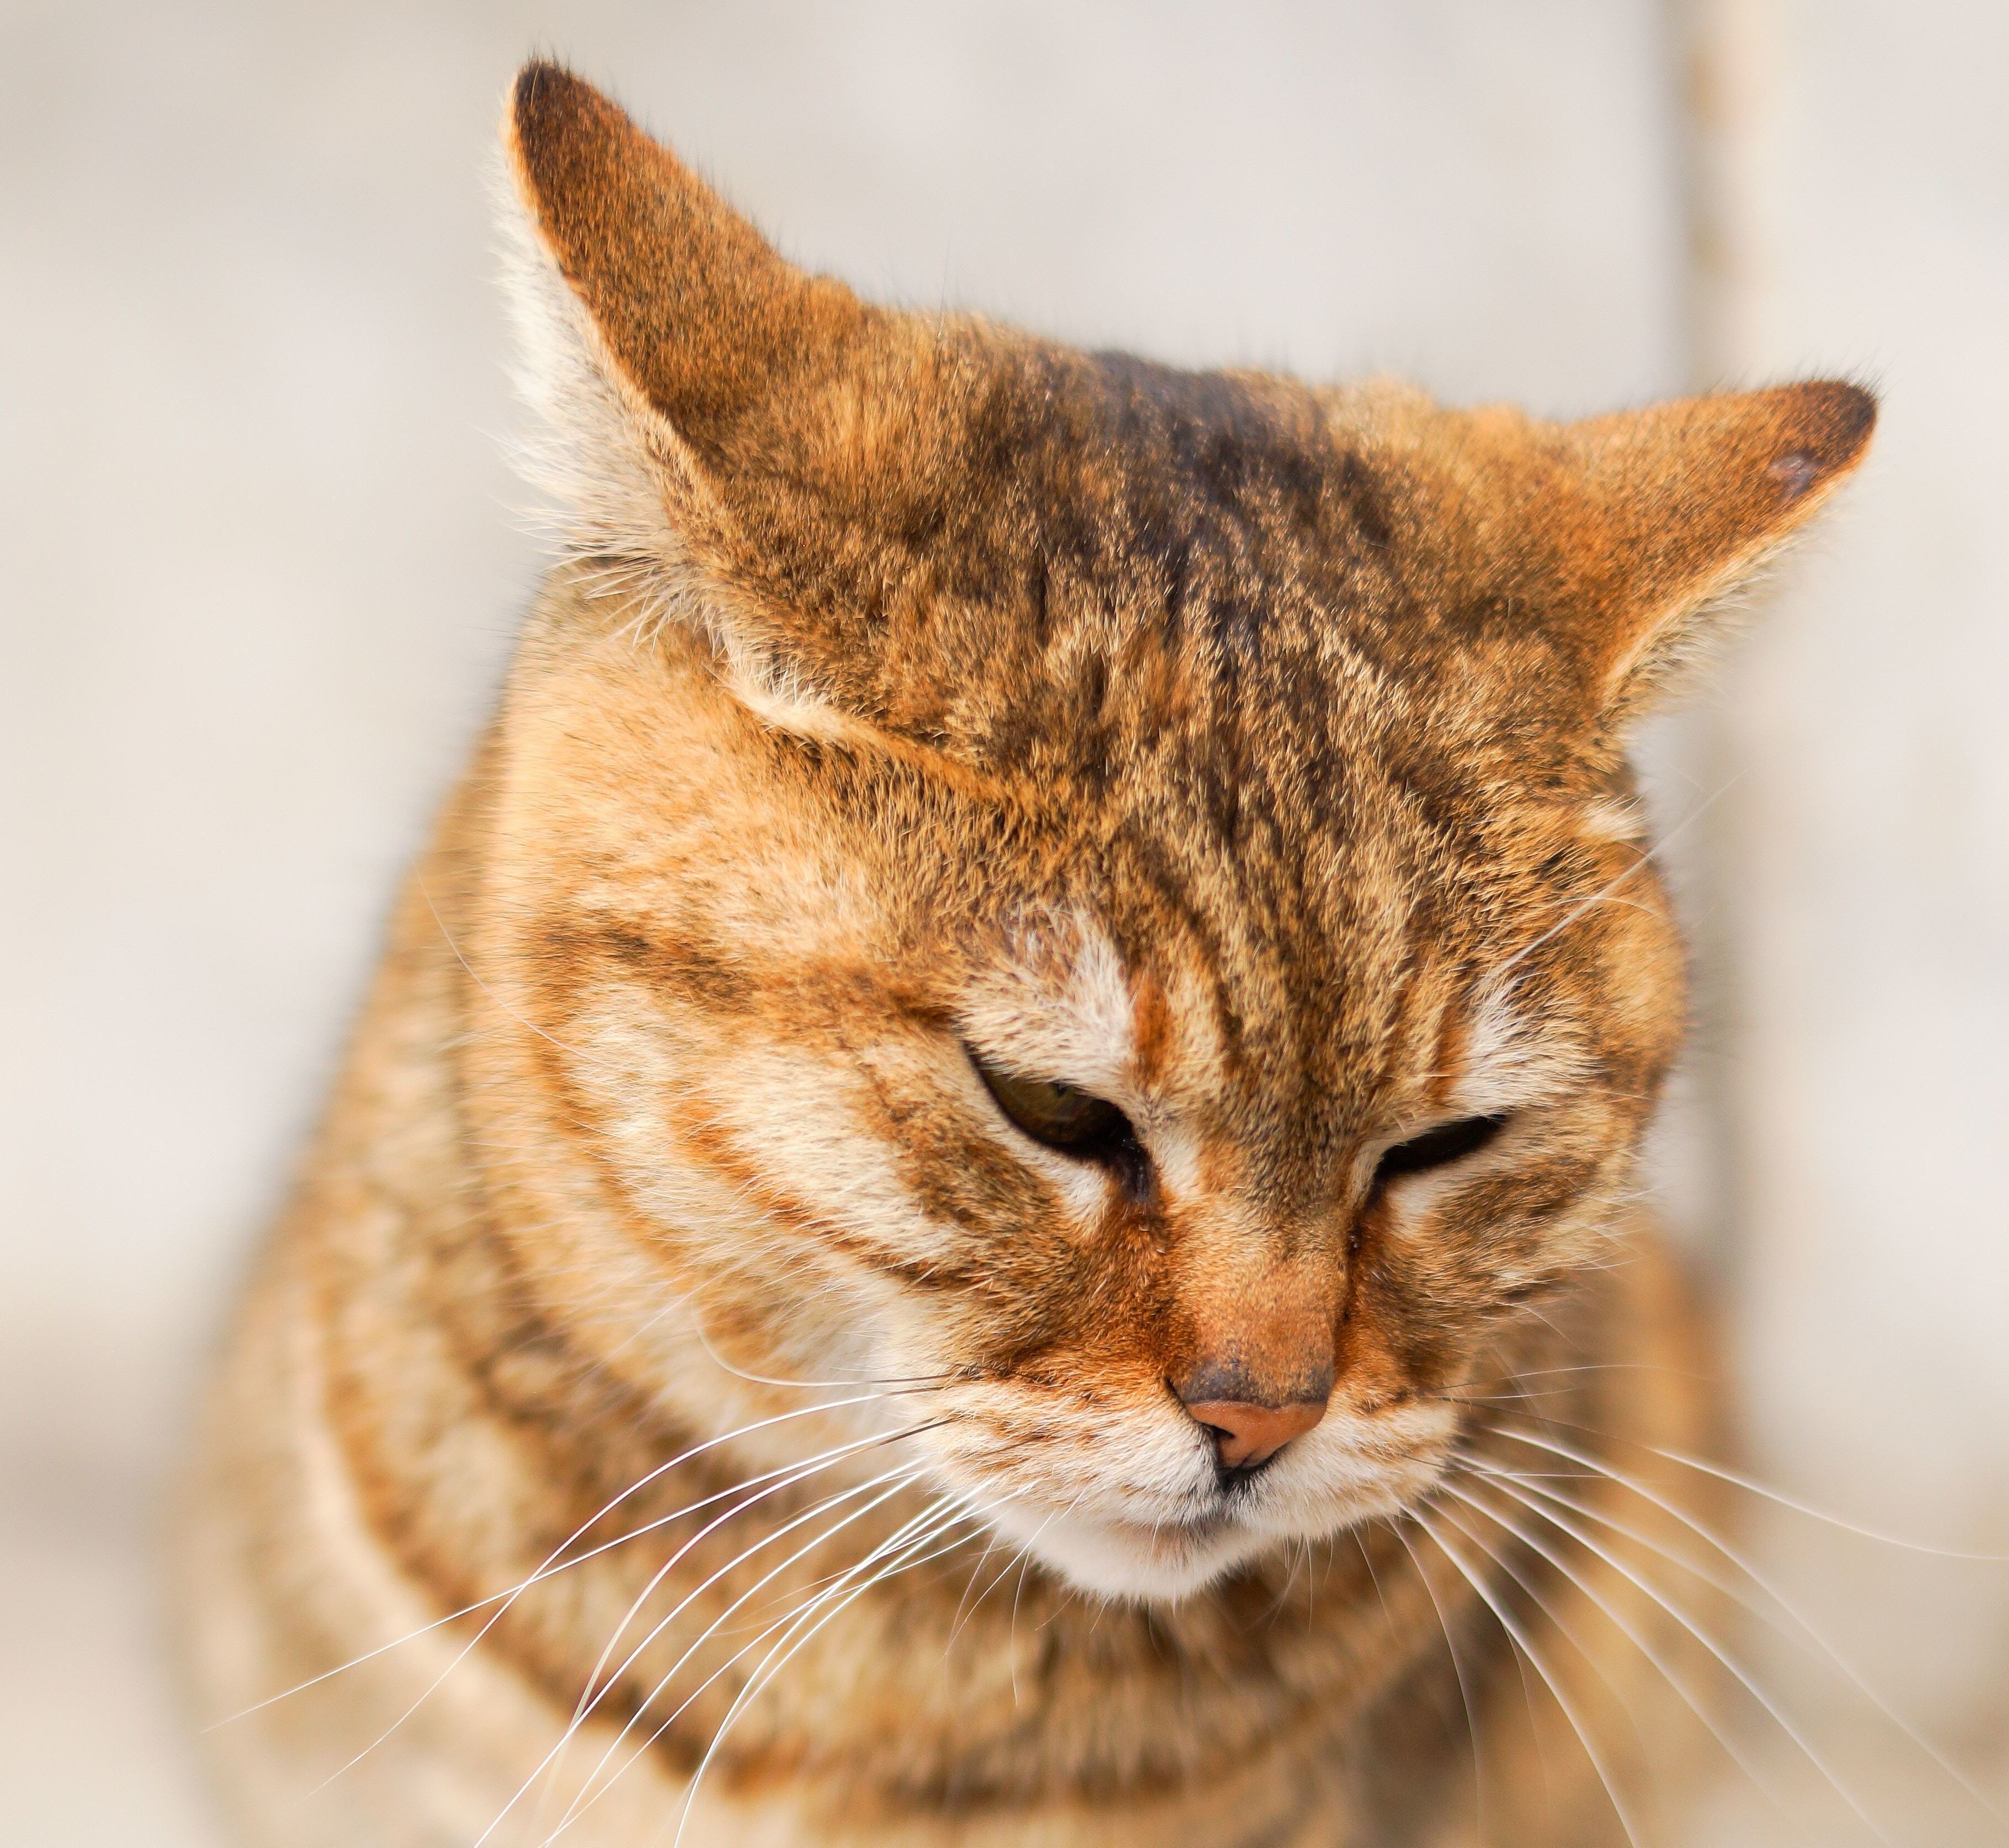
{"type": "Point", "coordinates": [913, 693]}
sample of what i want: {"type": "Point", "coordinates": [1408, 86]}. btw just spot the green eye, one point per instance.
{"type": "Point", "coordinates": [1062, 1117]}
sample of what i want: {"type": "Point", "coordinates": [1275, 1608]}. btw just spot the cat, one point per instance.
{"type": "Point", "coordinates": [989, 1192]}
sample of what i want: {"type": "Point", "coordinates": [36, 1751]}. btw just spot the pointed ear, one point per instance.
{"type": "Point", "coordinates": [710, 415]}
{"type": "Point", "coordinates": [694, 313]}
{"type": "Point", "coordinates": [1637, 526]}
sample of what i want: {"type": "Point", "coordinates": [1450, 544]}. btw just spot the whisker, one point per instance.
{"type": "Point", "coordinates": [1516, 1632]}
{"type": "Point", "coordinates": [918, 1381]}
{"type": "Point", "coordinates": [587, 1796]}
{"type": "Point", "coordinates": [801, 1473]}
{"type": "Point", "coordinates": [595, 1691]}
{"type": "Point", "coordinates": [675, 1558]}
{"type": "Point", "coordinates": [1367, 1559]}
{"type": "Point", "coordinates": [1654, 1655]}
{"type": "Point", "coordinates": [896, 1485]}
{"type": "Point", "coordinates": [590, 1701]}
{"type": "Point", "coordinates": [1464, 1688]}
{"type": "Point", "coordinates": [550, 1569]}
{"type": "Point", "coordinates": [446, 937]}
{"type": "Point", "coordinates": [1518, 1374]}
{"type": "Point", "coordinates": [1521, 1669]}
{"type": "Point", "coordinates": [1644, 859]}
{"type": "Point", "coordinates": [1764, 1584]}
{"type": "Point", "coordinates": [765, 1675]}
{"type": "Point", "coordinates": [1751, 1485]}
{"type": "Point", "coordinates": [961, 1615]}
{"type": "Point", "coordinates": [1012, 1634]}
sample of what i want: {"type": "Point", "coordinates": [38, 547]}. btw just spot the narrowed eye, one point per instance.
{"type": "Point", "coordinates": [1075, 1122]}
{"type": "Point", "coordinates": [1437, 1148]}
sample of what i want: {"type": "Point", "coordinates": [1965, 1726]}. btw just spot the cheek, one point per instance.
{"type": "Point", "coordinates": [1405, 1304]}
{"type": "Point", "coordinates": [807, 1145]}
{"type": "Point", "coordinates": [1503, 1220]}
{"type": "Point", "coordinates": [1439, 1263]}
{"type": "Point", "coordinates": [1058, 1313]}
{"type": "Point", "coordinates": [713, 1128]}
{"type": "Point", "coordinates": [1057, 1269]}
{"type": "Point", "coordinates": [1641, 1014]}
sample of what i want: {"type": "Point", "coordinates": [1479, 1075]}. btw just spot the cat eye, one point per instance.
{"type": "Point", "coordinates": [1437, 1148]}
{"type": "Point", "coordinates": [1064, 1117]}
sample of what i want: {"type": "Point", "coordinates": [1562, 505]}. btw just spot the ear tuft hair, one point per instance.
{"type": "Point", "coordinates": [593, 448]}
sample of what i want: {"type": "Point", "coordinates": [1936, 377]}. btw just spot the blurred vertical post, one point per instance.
{"type": "Point", "coordinates": [1725, 60]}
{"type": "Point", "coordinates": [1728, 56]}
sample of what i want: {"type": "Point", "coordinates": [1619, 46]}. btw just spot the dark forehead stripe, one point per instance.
{"type": "Point", "coordinates": [1213, 436]}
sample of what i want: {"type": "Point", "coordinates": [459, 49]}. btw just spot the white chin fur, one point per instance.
{"type": "Point", "coordinates": [1129, 1563]}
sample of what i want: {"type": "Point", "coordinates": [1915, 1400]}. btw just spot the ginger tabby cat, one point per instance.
{"type": "Point", "coordinates": [988, 1194]}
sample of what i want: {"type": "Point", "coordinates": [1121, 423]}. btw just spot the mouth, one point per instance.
{"type": "Point", "coordinates": [1162, 1526]}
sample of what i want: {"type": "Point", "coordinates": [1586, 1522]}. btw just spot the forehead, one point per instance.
{"type": "Point", "coordinates": [1325, 939]}
{"type": "Point", "coordinates": [1228, 584]}
{"type": "Point", "coordinates": [1205, 624]}
{"type": "Point", "coordinates": [1219, 634]}
{"type": "Point", "coordinates": [1303, 744]}
{"type": "Point", "coordinates": [1321, 942]}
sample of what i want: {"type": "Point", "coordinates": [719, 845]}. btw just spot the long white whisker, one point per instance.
{"type": "Point", "coordinates": [1464, 1688]}
{"type": "Point", "coordinates": [916, 1381]}
{"type": "Point", "coordinates": [963, 1615]}
{"type": "Point", "coordinates": [1515, 1631]}
{"type": "Point", "coordinates": [585, 1709]}
{"type": "Point", "coordinates": [789, 1481]}
{"type": "Point", "coordinates": [1586, 1461]}
{"type": "Point", "coordinates": [589, 1698]}
{"type": "Point", "coordinates": [1025, 1559]}
{"type": "Point", "coordinates": [1536, 1545]}
{"type": "Point", "coordinates": [587, 1796]}
{"type": "Point", "coordinates": [1603, 892]}
{"type": "Point", "coordinates": [446, 937]}
{"type": "Point", "coordinates": [957, 1511]}
{"type": "Point", "coordinates": [1751, 1485]}
{"type": "Point", "coordinates": [896, 1481]}
{"type": "Point", "coordinates": [1796, 1629]}
{"type": "Point", "coordinates": [549, 1570]}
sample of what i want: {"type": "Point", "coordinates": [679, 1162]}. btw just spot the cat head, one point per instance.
{"type": "Point", "coordinates": [1112, 895]}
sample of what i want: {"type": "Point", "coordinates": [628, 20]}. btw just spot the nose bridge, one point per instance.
{"type": "Point", "coordinates": [1256, 1308]}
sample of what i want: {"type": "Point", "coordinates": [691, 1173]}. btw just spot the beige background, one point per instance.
{"type": "Point", "coordinates": [263, 568]}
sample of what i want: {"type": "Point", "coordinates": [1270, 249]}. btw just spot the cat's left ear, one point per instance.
{"type": "Point", "coordinates": [1645, 522]}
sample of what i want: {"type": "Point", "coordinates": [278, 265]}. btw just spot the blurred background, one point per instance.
{"type": "Point", "coordinates": [265, 566]}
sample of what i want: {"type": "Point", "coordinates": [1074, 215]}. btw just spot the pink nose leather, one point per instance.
{"type": "Point", "coordinates": [1245, 1435]}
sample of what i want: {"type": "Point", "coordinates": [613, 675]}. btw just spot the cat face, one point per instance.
{"type": "Point", "coordinates": [1104, 895]}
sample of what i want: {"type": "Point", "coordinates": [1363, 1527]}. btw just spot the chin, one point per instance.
{"type": "Point", "coordinates": [1129, 1562]}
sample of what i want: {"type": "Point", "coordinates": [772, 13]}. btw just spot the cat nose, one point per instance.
{"type": "Point", "coordinates": [1256, 1368]}
{"type": "Point", "coordinates": [1247, 1435]}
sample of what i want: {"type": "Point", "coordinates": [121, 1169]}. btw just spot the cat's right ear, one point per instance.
{"type": "Point", "coordinates": [692, 314]}
{"type": "Point", "coordinates": [678, 366]}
